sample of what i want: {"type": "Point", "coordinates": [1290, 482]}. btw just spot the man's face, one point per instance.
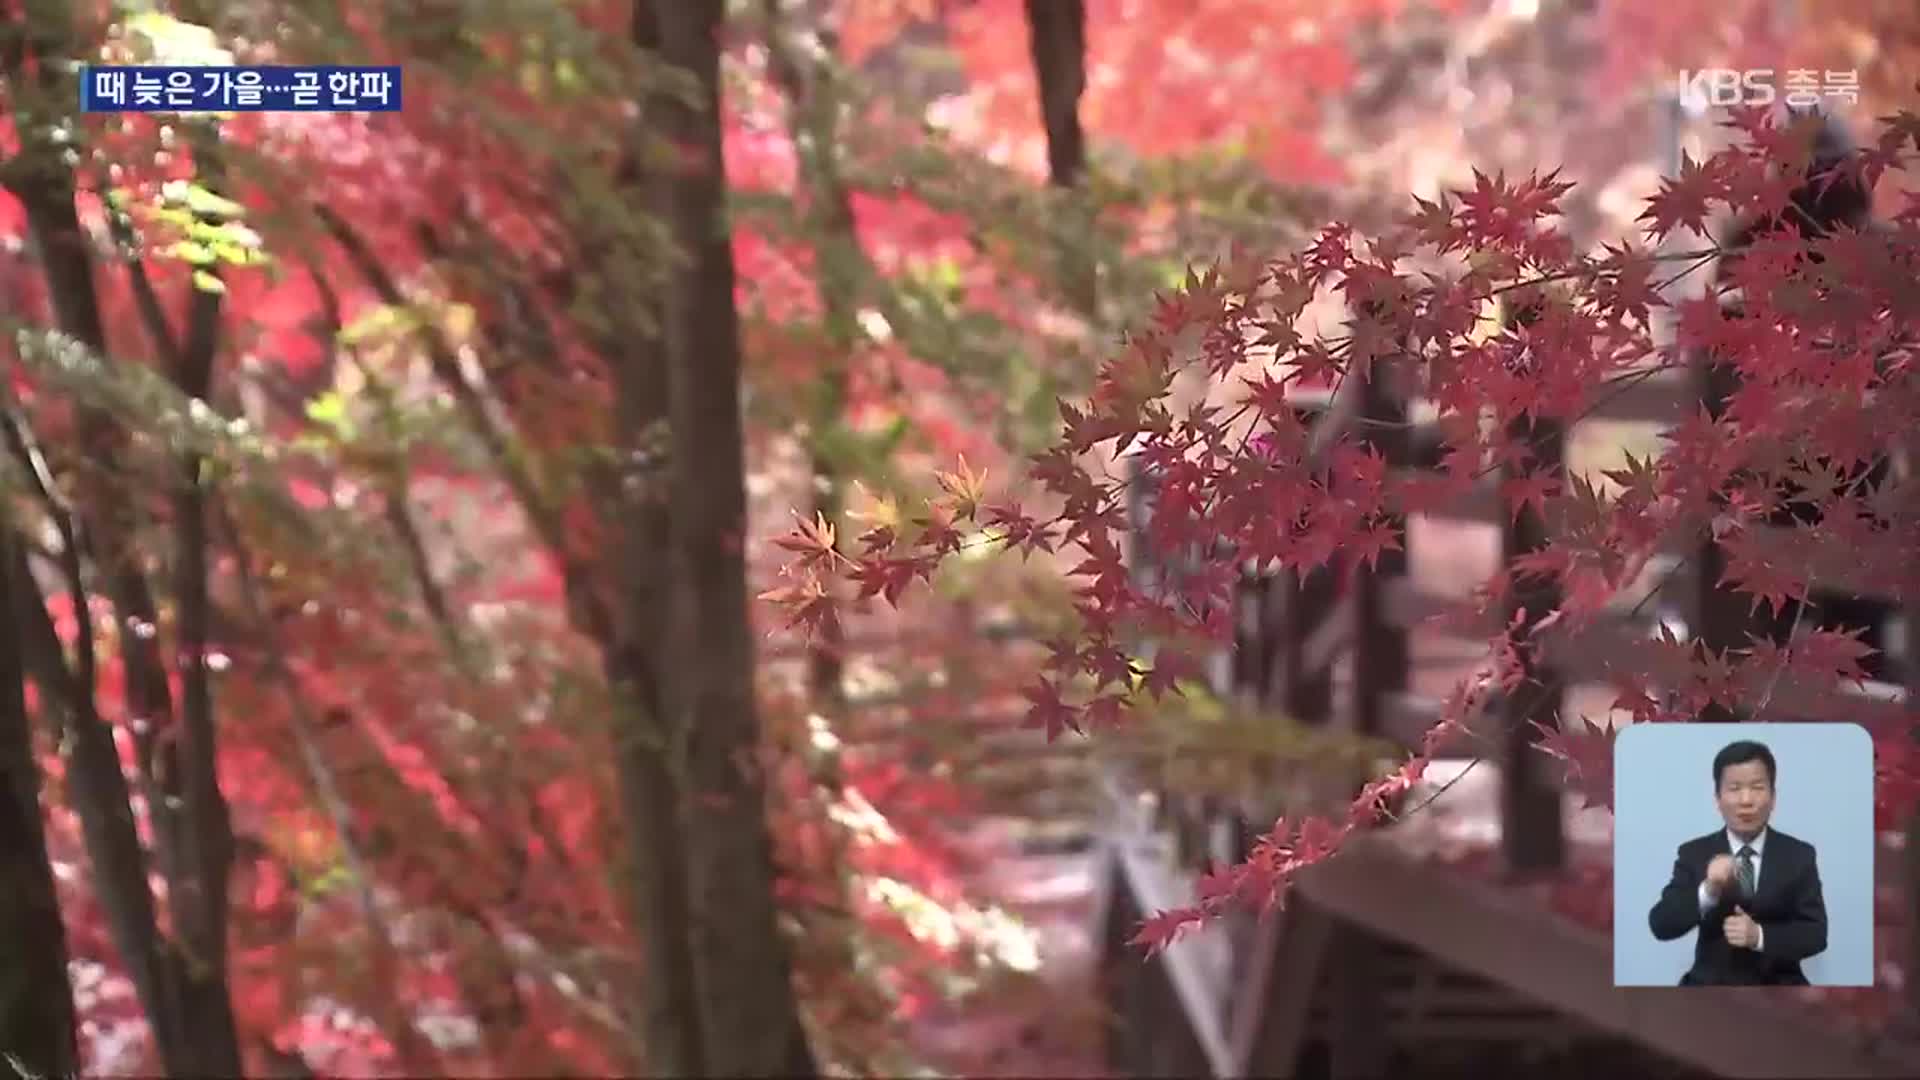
{"type": "Point", "coordinates": [1745, 797]}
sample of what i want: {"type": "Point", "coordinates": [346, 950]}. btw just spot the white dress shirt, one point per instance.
{"type": "Point", "coordinates": [1734, 844]}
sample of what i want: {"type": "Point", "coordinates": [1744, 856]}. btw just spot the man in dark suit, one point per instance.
{"type": "Point", "coordinates": [1752, 892]}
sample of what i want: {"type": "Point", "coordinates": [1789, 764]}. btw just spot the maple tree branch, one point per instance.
{"type": "Point", "coordinates": [1434, 796]}
{"type": "Point", "coordinates": [205, 838]}
{"type": "Point", "coordinates": [190, 367]}
{"type": "Point", "coordinates": [626, 358]}
{"type": "Point", "coordinates": [413, 1049]}
{"type": "Point", "coordinates": [1780, 667]}
{"type": "Point", "coordinates": [844, 268]}
{"type": "Point", "coordinates": [1700, 260]}
{"type": "Point", "coordinates": [97, 788]}
{"type": "Point", "coordinates": [398, 511]}
{"type": "Point", "coordinates": [36, 1011]}
{"type": "Point", "coordinates": [445, 364]}
{"type": "Point", "coordinates": [146, 300]}
{"type": "Point", "coordinates": [188, 1008]}
{"type": "Point", "coordinates": [1586, 272]}
{"type": "Point", "coordinates": [584, 599]}
{"type": "Point", "coordinates": [29, 460]}
{"type": "Point", "coordinates": [1806, 601]}
{"type": "Point", "coordinates": [400, 518]}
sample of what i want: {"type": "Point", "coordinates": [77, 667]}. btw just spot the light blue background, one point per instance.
{"type": "Point", "coordinates": [1663, 797]}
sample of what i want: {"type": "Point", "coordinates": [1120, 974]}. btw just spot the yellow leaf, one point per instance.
{"type": "Point", "coordinates": [881, 512]}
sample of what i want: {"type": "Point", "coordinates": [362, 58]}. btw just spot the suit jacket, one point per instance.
{"type": "Point", "coordinates": [1787, 903]}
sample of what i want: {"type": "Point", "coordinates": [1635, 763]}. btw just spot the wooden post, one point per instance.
{"type": "Point", "coordinates": [1381, 656]}
{"type": "Point", "coordinates": [1272, 1022]}
{"type": "Point", "coordinates": [1253, 648]}
{"type": "Point", "coordinates": [1910, 676]}
{"type": "Point", "coordinates": [1721, 618]}
{"type": "Point", "coordinates": [1259, 669]}
{"type": "Point", "coordinates": [1122, 971]}
{"type": "Point", "coordinates": [1532, 832]}
{"type": "Point", "coordinates": [1302, 603]}
{"type": "Point", "coordinates": [1911, 886]}
{"type": "Point", "coordinates": [1192, 818]}
{"type": "Point", "coordinates": [1306, 695]}
{"type": "Point", "coordinates": [1358, 1042]}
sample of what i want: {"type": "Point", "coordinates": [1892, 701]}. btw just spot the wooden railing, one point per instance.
{"type": "Point", "coordinates": [1295, 630]}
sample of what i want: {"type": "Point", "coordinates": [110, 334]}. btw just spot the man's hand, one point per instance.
{"type": "Point", "coordinates": [1720, 874]}
{"type": "Point", "coordinates": [1741, 931]}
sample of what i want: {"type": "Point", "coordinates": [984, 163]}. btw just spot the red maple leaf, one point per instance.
{"type": "Point", "coordinates": [1082, 432]}
{"type": "Point", "coordinates": [1632, 696]}
{"type": "Point", "coordinates": [808, 606]}
{"type": "Point", "coordinates": [1170, 668]}
{"type": "Point", "coordinates": [1833, 655]}
{"type": "Point", "coordinates": [1021, 531]}
{"type": "Point", "coordinates": [1433, 223]}
{"type": "Point", "coordinates": [1749, 570]}
{"type": "Point", "coordinates": [891, 577]}
{"type": "Point", "coordinates": [1107, 711]}
{"type": "Point", "coordinates": [966, 486]}
{"type": "Point", "coordinates": [937, 531]}
{"type": "Point", "coordinates": [1532, 489]}
{"type": "Point", "coordinates": [1378, 537]}
{"type": "Point", "coordinates": [1683, 200]}
{"type": "Point", "coordinates": [812, 540]}
{"type": "Point", "coordinates": [1163, 928]}
{"type": "Point", "coordinates": [1587, 750]}
{"type": "Point", "coordinates": [1050, 714]}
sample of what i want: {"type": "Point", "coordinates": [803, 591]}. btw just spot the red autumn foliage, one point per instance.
{"type": "Point", "coordinates": [1825, 335]}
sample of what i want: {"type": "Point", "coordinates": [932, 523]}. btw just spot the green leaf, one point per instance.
{"type": "Point", "coordinates": [379, 323]}
{"type": "Point", "coordinates": [190, 251]}
{"type": "Point", "coordinates": [944, 276]}
{"type": "Point", "coordinates": [335, 878]}
{"type": "Point", "coordinates": [162, 39]}
{"type": "Point", "coordinates": [887, 441]}
{"type": "Point", "coordinates": [329, 410]}
{"type": "Point", "coordinates": [201, 201]}
{"type": "Point", "coordinates": [181, 219]}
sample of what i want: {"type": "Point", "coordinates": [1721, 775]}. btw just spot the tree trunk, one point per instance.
{"type": "Point", "coordinates": [97, 791]}
{"type": "Point", "coordinates": [750, 1018]}
{"type": "Point", "coordinates": [652, 783]}
{"type": "Point", "coordinates": [814, 128]}
{"type": "Point", "coordinates": [205, 837]}
{"type": "Point", "coordinates": [1057, 32]}
{"type": "Point", "coordinates": [1057, 36]}
{"type": "Point", "coordinates": [184, 993]}
{"type": "Point", "coordinates": [36, 1003]}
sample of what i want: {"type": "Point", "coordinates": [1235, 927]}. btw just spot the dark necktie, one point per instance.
{"type": "Point", "coordinates": [1746, 871]}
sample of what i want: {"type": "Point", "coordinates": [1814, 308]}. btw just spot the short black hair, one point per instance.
{"type": "Point", "coordinates": [1741, 752]}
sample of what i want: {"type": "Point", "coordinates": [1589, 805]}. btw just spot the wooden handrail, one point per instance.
{"type": "Point", "coordinates": [1317, 626]}
{"type": "Point", "coordinates": [1508, 939]}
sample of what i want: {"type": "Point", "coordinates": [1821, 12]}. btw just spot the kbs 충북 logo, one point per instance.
{"type": "Point", "coordinates": [1802, 88]}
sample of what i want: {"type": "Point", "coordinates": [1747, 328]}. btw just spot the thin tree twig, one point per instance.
{"type": "Point", "coordinates": [326, 786]}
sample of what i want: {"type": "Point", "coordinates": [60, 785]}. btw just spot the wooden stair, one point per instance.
{"type": "Point", "coordinates": [1385, 963]}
